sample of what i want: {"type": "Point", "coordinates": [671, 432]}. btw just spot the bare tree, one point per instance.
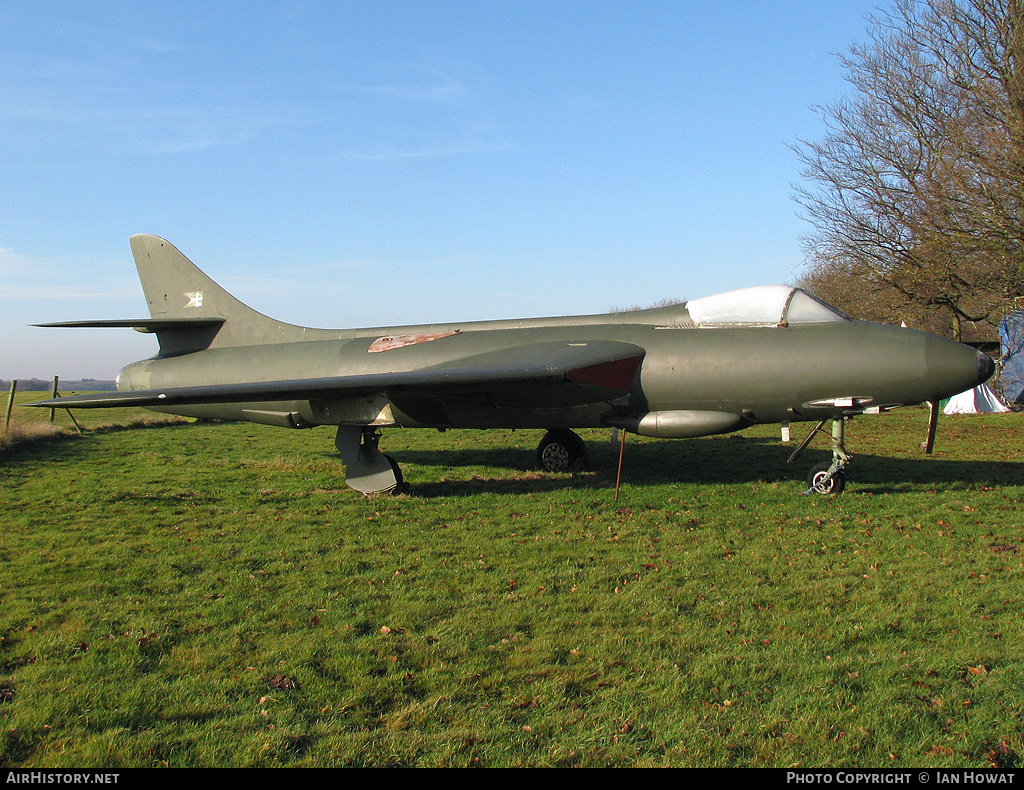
{"type": "Point", "coordinates": [918, 185]}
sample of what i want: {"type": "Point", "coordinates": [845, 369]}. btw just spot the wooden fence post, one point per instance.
{"type": "Point", "coordinates": [54, 395]}
{"type": "Point", "coordinates": [10, 404]}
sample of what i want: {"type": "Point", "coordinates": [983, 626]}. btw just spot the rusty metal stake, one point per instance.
{"type": "Point", "coordinates": [622, 450]}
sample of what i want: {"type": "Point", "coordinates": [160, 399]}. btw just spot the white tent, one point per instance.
{"type": "Point", "coordinates": [975, 401]}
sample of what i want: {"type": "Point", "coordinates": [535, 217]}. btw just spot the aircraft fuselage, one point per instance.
{"type": "Point", "coordinates": [759, 374]}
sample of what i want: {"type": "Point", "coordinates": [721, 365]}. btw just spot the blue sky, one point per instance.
{"type": "Point", "coordinates": [345, 164]}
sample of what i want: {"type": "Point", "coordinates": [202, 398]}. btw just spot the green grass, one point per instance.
{"type": "Point", "coordinates": [214, 595]}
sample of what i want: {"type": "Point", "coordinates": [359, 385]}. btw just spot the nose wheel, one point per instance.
{"type": "Point", "coordinates": [827, 478]}
{"type": "Point", "coordinates": [823, 479]}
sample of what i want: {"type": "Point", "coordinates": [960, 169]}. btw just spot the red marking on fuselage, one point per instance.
{"type": "Point", "coordinates": [400, 341]}
{"type": "Point", "coordinates": [617, 375]}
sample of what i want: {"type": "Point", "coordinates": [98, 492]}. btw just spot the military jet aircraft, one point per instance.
{"type": "Point", "coordinates": [768, 354]}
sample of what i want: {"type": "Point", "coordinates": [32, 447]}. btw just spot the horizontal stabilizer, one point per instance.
{"type": "Point", "coordinates": [146, 325]}
{"type": "Point", "coordinates": [522, 369]}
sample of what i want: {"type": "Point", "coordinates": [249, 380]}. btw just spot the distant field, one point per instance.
{"type": "Point", "coordinates": [214, 595]}
{"type": "Point", "coordinates": [41, 385]}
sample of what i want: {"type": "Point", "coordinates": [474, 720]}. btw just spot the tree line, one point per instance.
{"type": "Point", "coordinates": [916, 190]}
{"type": "Point", "coordinates": [41, 385]}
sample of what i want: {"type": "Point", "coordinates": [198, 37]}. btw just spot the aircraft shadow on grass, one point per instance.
{"type": "Point", "coordinates": [723, 461]}
{"type": "Point", "coordinates": [718, 461]}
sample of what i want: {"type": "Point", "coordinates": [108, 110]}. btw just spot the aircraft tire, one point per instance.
{"type": "Point", "coordinates": [561, 451]}
{"type": "Point", "coordinates": [834, 486]}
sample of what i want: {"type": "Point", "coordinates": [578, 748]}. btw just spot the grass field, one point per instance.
{"type": "Point", "coordinates": [214, 595]}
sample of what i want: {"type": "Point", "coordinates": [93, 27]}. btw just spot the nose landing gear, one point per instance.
{"type": "Point", "coordinates": [827, 478]}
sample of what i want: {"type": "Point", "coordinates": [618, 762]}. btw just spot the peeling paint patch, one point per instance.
{"type": "Point", "coordinates": [399, 341]}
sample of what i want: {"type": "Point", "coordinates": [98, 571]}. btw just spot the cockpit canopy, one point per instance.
{"type": "Point", "coordinates": [762, 305]}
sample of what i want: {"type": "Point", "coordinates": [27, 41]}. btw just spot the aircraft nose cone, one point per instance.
{"type": "Point", "coordinates": [986, 367]}
{"type": "Point", "coordinates": [953, 367]}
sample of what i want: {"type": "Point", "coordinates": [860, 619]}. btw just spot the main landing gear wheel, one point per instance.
{"type": "Point", "coordinates": [819, 481]}
{"type": "Point", "coordinates": [561, 451]}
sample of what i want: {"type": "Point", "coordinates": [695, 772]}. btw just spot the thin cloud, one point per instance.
{"type": "Point", "coordinates": [155, 45]}
{"type": "Point", "coordinates": [197, 138]}
{"type": "Point", "coordinates": [432, 93]}
{"type": "Point", "coordinates": [33, 278]}
{"type": "Point", "coordinates": [421, 153]}
{"type": "Point", "coordinates": [11, 262]}
{"type": "Point", "coordinates": [438, 89]}
{"type": "Point", "coordinates": [94, 97]}
{"type": "Point", "coordinates": [60, 292]}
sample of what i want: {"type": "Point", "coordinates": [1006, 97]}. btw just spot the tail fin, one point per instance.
{"type": "Point", "coordinates": [179, 292]}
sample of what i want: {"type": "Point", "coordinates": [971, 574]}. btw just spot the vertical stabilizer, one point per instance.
{"type": "Point", "coordinates": [176, 288]}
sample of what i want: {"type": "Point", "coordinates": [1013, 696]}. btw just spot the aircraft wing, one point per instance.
{"type": "Point", "coordinates": [544, 373]}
